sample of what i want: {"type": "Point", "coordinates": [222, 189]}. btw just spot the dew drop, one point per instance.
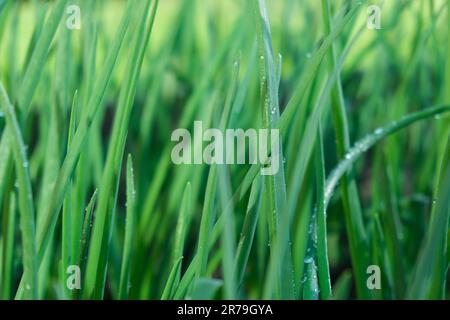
{"type": "Point", "coordinates": [308, 260]}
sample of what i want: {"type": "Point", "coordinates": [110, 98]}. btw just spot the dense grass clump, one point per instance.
{"type": "Point", "coordinates": [93, 207]}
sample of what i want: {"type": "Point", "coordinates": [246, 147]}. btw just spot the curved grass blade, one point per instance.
{"type": "Point", "coordinates": [370, 140]}
{"type": "Point", "coordinates": [26, 206]}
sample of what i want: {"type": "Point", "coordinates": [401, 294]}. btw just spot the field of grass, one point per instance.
{"type": "Point", "coordinates": [93, 207]}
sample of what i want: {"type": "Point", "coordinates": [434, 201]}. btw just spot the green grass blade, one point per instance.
{"type": "Point", "coordinates": [311, 287]}
{"type": "Point", "coordinates": [228, 235]}
{"type": "Point", "coordinates": [26, 206]}
{"type": "Point", "coordinates": [67, 255]}
{"type": "Point", "coordinates": [432, 246]}
{"type": "Point", "coordinates": [434, 250]}
{"type": "Point", "coordinates": [130, 227]}
{"type": "Point", "coordinates": [276, 184]}
{"type": "Point", "coordinates": [172, 282]}
{"type": "Point", "coordinates": [86, 235]}
{"type": "Point", "coordinates": [8, 230]}
{"type": "Point", "coordinates": [182, 226]}
{"type": "Point", "coordinates": [322, 250]}
{"type": "Point", "coordinates": [362, 145]}
{"type": "Point", "coordinates": [350, 198]}
{"type": "Point", "coordinates": [248, 229]}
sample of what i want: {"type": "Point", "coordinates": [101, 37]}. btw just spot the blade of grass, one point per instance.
{"type": "Point", "coordinates": [435, 240]}
{"type": "Point", "coordinates": [364, 144]}
{"type": "Point", "coordinates": [228, 235]}
{"type": "Point", "coordinates": [26, 207]}
{"type": "Point", "coordinates": [182, 226]}
{"type": "Point", "coordinates": [248, 229]}
{"type": "Point", "coordinates": [67, 255]}
{"type": "Point", "coordinates": [276, 184]}
{"type": "Point", "coordinates": [178, 245]}
{"type": "Point", "coordinates": [350, 198]}
{"type": "Point", "coordinates": [322, 250]}
{"type": "Point", "coordinates": [439, 281]}
{"type": "Point", "coordinates": [86, 236]}
{"type": "Point", "coordinates": [8, 230]}
{"type": "Point", "coordinates": [130, 227]}
{"type": "Point", "coordinates": [171, 284]}
{"type": "Point", "coordinates": [311, 287]}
